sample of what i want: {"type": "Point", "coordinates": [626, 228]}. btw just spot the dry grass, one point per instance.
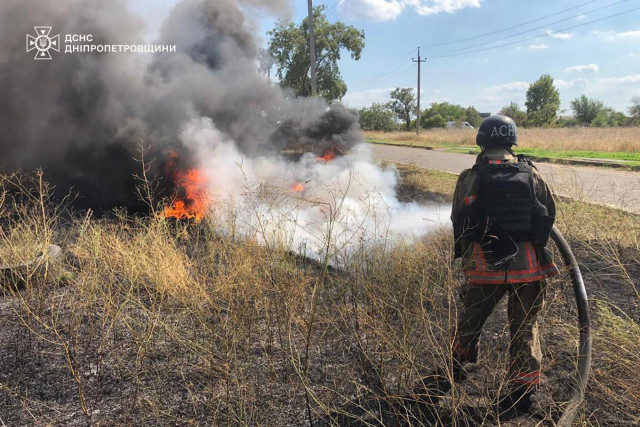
{"type": "Point", "coordinates": [626, 140]}
{"type": "Point", "coordinates": [148, 322]}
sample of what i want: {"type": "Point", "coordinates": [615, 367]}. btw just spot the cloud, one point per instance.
{"type": "Point", "coordinates": [625, 80]}
{"type": "Point", "coordinates": [583, 69]}
{"type": "Point", "coordinates": [615, 91]}
{"type": "Point", "coordinates": [367, 97]}
{"type": "Point", "coordinates": [560, 36]}
{"type": "Point", "coordinates": [507, 88]}
{"type": "Point", "coordinates": [581, 17]}
{"type": "Point", "coordinates": [430, 7]}
{"type": "Point", "coordinates": [385, 10]}
{"type": "Point", "coordinates": [538, 46]}
{"type": "Point", "coordinates": [372, 10]}
{"type": "Point", "coordinates": [629, 35]}
{"type": "Point", "coordinates": [493, 98]}
{"type": "Point", "coordinates": [573, 84]}
{"type": "Point", "coordinates": [633, 55]}
{"type": "Point", "coordinates": [614, 36]}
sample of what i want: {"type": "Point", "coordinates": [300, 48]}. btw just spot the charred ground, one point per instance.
{"type": "Point", "coordinates": [146, 321]}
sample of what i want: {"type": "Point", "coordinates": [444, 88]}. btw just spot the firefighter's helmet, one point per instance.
{"type": "Point", "coordinates": [497, 130]}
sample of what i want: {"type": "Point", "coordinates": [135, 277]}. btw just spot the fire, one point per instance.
{"type": "Point", "coordinates": [196, 201]}
{"type": "Point", "coordinates": [298, 187]}
{"type": "Point", "coordinates": [328, 155]}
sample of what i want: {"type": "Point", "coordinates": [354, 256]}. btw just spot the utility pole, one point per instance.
{"type": "Point", "coordinates": [312, 49]}
{"type": "Point", "coordinates": [419, 61]}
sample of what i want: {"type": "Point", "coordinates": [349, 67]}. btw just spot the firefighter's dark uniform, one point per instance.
{"type": "Point", "coordinates": [484, 287]}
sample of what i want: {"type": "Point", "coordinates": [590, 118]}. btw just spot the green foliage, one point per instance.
{"type": "Point", "coordinates": [377, 117]}
{"type": "Point", "coordinates": [289, 47]}
{"type": "Point", "coordinates": [433, 122]}
{"type": "Point", "coordinates": [403, 103]}
{"type": "Point", "coordinates": [609, 118]}
{"type": "Point", "coordinates": [543, 102]}
{"type": "Point", "coordinates": [634, 110]}
{"type": "Point", "coordinates": [586, 109]}
{"type": "Point", "coordinates": [448, 112]}
{"type": "Point", "coordinates": [473, 117]}
{"type": "Point", "coordinates": [516, 114]}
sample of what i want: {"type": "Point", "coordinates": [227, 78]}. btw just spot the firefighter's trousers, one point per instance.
{"type": "Point", "coordinates": [525, 301]}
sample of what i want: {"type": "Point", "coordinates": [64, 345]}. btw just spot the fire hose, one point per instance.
{"type": "Point", "coordinates": [584, 323]}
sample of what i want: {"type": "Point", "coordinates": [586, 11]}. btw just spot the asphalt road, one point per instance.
{"type": "Point", "coordinates": [595, 184]}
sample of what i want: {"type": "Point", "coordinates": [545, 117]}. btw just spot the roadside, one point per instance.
{"type": "Point", "coordinates": [616, 188]}
{"type": "Point", "coordinates": [610, 147]}
{"type": "Point", "coordinates": [618, 160]}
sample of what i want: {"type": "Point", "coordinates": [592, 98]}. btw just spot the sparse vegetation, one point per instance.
{"type": "Point", "coordinates": [146, 321]}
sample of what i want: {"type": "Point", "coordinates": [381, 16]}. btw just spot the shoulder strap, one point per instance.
{"type": "Point", "coordinates": [526, 159]}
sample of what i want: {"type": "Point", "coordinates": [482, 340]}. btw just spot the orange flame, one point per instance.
{"type": "Point", "coordinates": [197, 200]}
{"type": "Point", "coordinates": [298, 187]}
{"type": "Point", "coordinates": [328, 155]}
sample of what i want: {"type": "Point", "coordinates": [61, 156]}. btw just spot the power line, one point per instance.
{"type": "Point", "coordinates": [508, 28]}
{"type": "Point", "coordinates": [549, 34]}
{"type": "Point", "coordinates": [387, 71]}
{"type": "Point", "coordinates": [534, 29]}
{"type": "Point", "coordinates": [386, 76]}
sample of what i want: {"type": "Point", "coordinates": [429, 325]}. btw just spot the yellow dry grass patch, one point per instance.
{"type": "Point", "coordinates": [559, 139]}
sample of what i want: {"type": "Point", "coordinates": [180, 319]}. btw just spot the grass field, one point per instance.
{"type": "Point", "coordinates": [145, 321]}
{"type": "Point", "coordinates": [615, 144]}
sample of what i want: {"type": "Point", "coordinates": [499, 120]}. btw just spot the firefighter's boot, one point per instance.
{"type": "Point", "coordinates": [438, 383]}
{"type": "Point", "coordinates": [514, 403]}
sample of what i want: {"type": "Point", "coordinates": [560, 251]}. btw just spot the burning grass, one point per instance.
{"type": "Point", "coordinates": [152, 322]}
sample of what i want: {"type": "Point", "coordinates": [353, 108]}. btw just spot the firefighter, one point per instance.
{"type": "Point", "coordinates": [502, 217]}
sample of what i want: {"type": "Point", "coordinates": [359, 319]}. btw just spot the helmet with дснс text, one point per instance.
{"type": "Point", "coordinates": [497, 130]}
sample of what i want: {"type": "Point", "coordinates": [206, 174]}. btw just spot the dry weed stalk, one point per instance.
{"type": "Point", "coordinates": [168, 323]}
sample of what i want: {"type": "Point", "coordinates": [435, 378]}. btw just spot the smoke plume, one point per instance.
{"type": "Point", "coordinates": [81, 116]}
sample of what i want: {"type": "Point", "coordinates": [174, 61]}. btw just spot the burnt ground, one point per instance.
{"type": "Point", "coordinates": [72, 357]}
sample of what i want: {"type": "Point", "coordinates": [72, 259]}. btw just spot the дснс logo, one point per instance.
{"type": "Point", "coordinates": [43, 43]}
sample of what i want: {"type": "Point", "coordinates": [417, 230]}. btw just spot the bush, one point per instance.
{"type": "Point", "coordinates": [433, 122]}
{"type": "Point", "coordinates": [609, 118]}
{"type": "Point", "coordinates": [377, 117]}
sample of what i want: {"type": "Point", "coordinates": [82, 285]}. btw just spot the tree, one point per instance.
{"type": "Point", "coordinates": [433, 122]}
{"type": "Point", "coordinates": [377, 117]}
{"type": "Point", "coordinates": [607, 117]}
{"type": "Point", "coordinates": [543, 102]}
{"type": "Point", "coordinates": [449, 112]}
{"type": "Point", "coordinates": [634, 110]}
{"type": "Point", "coordinates": [516, 114]}
{"type": "Point", "coordinates": [586, 109]}
{"type": "Point", "coordinates": [289, 47]}
{"type": "Point", "coordinates": [265, 63]}
{"type": "Point", "coordinates": [403, 103]}
{"type": "Point", "coordinates": [473, 117]}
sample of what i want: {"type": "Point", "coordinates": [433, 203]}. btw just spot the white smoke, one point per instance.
{"type": "Point", "coordinates": [347, 203]}
{"type": "Point", "coordinates": [82, 116]}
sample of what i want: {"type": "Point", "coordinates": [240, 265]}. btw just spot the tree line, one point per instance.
{"type": "Point", "coordinates": [288, 50]}
{"type": "Point", "coordinates": [542, 107]}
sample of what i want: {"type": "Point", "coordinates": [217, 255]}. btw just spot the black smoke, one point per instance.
{"type": "Point", "coordinates": [83, 117]}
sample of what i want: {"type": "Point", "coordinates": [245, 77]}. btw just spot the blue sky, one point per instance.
{"type": "Point", "coordinates": [579, 42]}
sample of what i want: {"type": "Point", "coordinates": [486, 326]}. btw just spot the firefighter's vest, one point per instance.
{"type": "Point", "coordinates": [507, 197]}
